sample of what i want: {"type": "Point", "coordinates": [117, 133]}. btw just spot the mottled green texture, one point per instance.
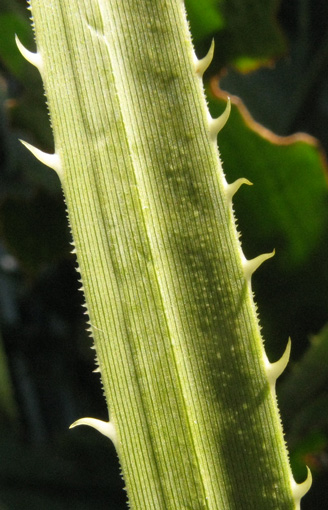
{"type": "Point", "coordinates": [174, 323]}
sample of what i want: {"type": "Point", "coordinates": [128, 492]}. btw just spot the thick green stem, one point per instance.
{"type": "Point", "coordinates": [189, 389]}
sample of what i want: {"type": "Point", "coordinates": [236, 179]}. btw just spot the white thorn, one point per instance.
{"type": "Point", "coordinates": [33, 58]}
{"type": "Point", "coordinates": [202, 64]}
{"type": "Point", "coordinates": [232, 188]}
{"type": "Point", "coordinates": [96, 370]}
{"type": "Point", "coordinates": [104, 427]}
{"type": "Point", "coordinates": [274, 370]}
{"type": "Point", "coordinates": [300, 489]}
{"type": "Point", "coordinates": [215, 125]}
{"type": "Point", "coordinates": [50, 160]}
{"type": "Point", "coordinates": [250, 266]}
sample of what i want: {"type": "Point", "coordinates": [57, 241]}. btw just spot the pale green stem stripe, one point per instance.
{"type": "Point", "coordinates": [172, 314]}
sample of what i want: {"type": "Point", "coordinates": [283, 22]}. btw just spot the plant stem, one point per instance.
{"type": "Point", "coordinates": [189, 389]}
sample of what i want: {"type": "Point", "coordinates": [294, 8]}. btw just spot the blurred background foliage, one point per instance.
{"type": "Point", "coordinates": [274, 57]}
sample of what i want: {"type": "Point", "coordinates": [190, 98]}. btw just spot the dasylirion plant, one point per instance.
{"type": "Point", "coordinates": [190, 391]}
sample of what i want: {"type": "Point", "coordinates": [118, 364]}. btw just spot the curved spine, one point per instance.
{"type": "Point", "coordinates": [231, 189]}
{"type": "Point", "coordinates": [274, 370]}
{"type": "Point", "coordinates": [215, 125]}
{"type": "Point", "coordinates": [202, 64]}
{"type": "Point", "coordinates": [33, 58]}
{"type": "Point", "coordinates": [50, 160]}
{"type": "Point", "coordinates": [300, 489]}
{"type": "Point", "coordinates": [250, 266]}
{"type": "Point", "coordinates": [104, 427]}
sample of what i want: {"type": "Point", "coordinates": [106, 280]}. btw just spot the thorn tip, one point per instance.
{"type": "Point", "coordinates": [216, 125]}
{"type": "Point", "coordinates": [50, 160]}
{"type": "Point", "coordinates": [274, 370]}
{"type": "Point", "coordinates": [300, 489]}
{"type": "Point", "coordinates": [33, 58]}
{"type": "Point", "coordinates": [202, 64]}
{"type": "Point", "coordinates": [250, 266]}
{"type": "Point", "coordinates": [231, 189]}
{"type": "Point", "coordinates": [104, 427]}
